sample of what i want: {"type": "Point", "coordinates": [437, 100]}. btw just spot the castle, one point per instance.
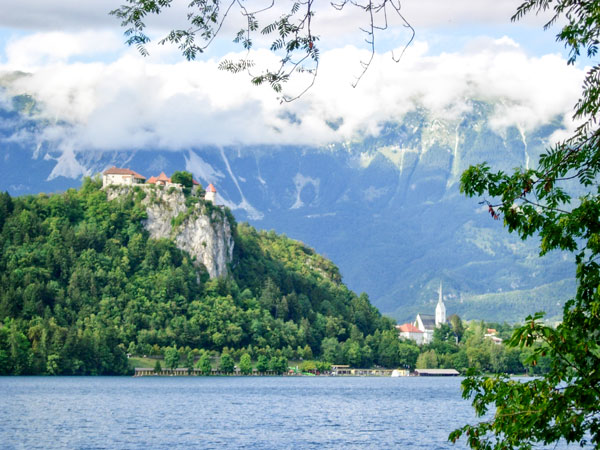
{"type": "Point", "coordinates": [421, 330]}
{"type": "Point", "coordinates": [116, 176]}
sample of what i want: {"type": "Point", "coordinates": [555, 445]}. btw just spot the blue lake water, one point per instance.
{"type": "Point", "coordinates": [229, 412]}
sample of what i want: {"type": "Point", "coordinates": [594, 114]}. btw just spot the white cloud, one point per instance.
{"type": "Point", "coordinates": [40, 49]}
{"type": "Point", "coordinates": [77, 14]}
{"type": "Point", "coordinates": [134, 102]}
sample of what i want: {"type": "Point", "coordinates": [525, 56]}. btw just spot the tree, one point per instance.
{"type": "Point", "coordinates": [564, 403]}
{"type": "Point", "coordinates": [246, 364]}
{"type": "Point", "coordinates": [308, 366]}
{"type": "Point", "coordinates": [227, 364]}
{"type": "Point", "coordinates": [204, 364]}
{"type": "Point", "coordinates": [184, 178]}
{"type": "Point", "coordinates": [262, 364]}
{"type": "Point", "coordinates": [278, 364]}
{"type": "Point", "coordinates": [171, 357]}
{"type": "Point", "coordinates": [408, 354]}
{"type": "Point", "coordinates": [189, 361]}
{"type": "Point", "coordinates": [157, 367]}
{"type": "Point", "coordinates": [457, 326]}
{"type": "Point", "coordinates": [427, 360]}
{"type": "Point", "coordinates": [294, 39]}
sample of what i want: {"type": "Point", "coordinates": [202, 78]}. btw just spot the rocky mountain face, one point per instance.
{"type": "Point", "coordinates": [386, 208]}
{"type": "Point", "coordinates": [202, 231]}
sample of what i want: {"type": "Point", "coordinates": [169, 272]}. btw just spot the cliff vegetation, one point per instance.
{"type": "Point", "coordinates": [83, 282]}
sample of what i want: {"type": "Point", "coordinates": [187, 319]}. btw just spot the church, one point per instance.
{"type": "Point", "coordinates": [421, 330]}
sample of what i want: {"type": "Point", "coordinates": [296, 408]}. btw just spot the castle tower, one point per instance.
{"type": "Point", "coordinates": [440, 310]}
{"type": "Point", "coordinates": [211, 193]}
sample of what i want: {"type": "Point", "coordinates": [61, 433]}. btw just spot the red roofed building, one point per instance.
{"type": "Point", "coordinates": [161, 180]}
{"type": "Point", "coordinates": [121, 177]}
{"type": "Point", "coordinates": [409, 331]}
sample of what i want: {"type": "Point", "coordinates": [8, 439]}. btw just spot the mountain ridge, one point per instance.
{"type": "Point", "coordinates": [385, 208]}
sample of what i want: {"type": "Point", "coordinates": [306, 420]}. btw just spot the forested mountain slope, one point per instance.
{"type": "Point", "coordinates": [82, 284]}
{"type": "Point", "coordinates": [385, 208]}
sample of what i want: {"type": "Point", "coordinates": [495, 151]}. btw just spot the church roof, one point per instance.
{"type": "Point", "coordinates": [211, 188]}
{"type": "Point", "coordinates": [428, 321]}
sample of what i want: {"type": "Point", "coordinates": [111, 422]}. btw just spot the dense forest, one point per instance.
{"type": "Point", "coordinates": [82, 285]}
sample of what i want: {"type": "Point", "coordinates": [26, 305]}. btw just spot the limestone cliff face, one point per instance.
{"type": "Point", "coordinates": [201, 230]}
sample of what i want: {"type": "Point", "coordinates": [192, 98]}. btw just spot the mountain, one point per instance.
{"type": "Point", "coordinates": [386, 208]}
{"type": "Point", "coordinates": [89, 275]}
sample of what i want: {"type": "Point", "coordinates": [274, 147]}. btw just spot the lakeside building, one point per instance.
{"type": "Point", "coordinates": [436, 373]}
{"type": "Point", "coordinates": [421, 330]}
{"type": "Point", "coordinates": [409, 331]}
{"type": "Point", "coordinates": [492, 335]}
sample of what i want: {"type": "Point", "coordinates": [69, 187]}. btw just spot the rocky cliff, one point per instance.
{"type": "Point", "coordinates": [196, 226]}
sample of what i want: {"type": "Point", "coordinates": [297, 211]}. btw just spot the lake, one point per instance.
{"type": "Point", "coordinates": [231, 412]}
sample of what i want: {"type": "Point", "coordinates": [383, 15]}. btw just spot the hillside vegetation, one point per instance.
{"type": "Point", "coordinates": [82, 285]}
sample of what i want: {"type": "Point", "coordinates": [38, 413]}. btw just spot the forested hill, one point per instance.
{"type": "Point", "coordinates": [82, 284]}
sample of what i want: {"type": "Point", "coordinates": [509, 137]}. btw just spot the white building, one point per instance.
{"type": "Point", "coordinates": [211, 193]}
{"type": "Point", "coordinates": [121, 177]}
{"type": "Point", "coordinates": [440, 310]}
{"type": "Point", "coordinates": [409, 331]}
{"type": "Point", "coordinates": [425, 324]}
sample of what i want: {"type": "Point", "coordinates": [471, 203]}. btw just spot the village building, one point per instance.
{"type": "Point", "coordinates": [121, 177]}
{"type": "Point", "coordinates": [491, 334]}
{"type": "Point", "coordinates": [425, 324]}
{"type": "Point", "coordinates": [409, 331]}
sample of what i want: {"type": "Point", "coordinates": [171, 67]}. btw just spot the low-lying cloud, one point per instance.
{"type": "Point", "coordinates": [137, 103]}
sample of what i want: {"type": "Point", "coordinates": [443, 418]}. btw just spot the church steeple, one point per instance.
{"type": "Point", "coordinates": [440, 310]}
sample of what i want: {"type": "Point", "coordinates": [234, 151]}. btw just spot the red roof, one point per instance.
{"type": "Point", "coordinates": [151, 180]}
{"type": "Point", "coordinates": [211, 188]}
{"type": "Point", "coordinates": [195, 183]}
{"type": "Point", "coordinates": [408, 328]}
{"type": "Point", "coordinates": [163, 177]}
{"type": "Point", "coordinates": [117, 171]}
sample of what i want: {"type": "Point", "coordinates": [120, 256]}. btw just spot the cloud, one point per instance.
{"type": "Point", "coordinates": [137, 103]}
{"type": "Point", "coordinates": [41, 49]}
{"type": "Point", "coordinates": [72, 15]}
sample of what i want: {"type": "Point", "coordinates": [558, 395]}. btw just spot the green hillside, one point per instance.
{"type": "Point", "coordinates": [82, 285]}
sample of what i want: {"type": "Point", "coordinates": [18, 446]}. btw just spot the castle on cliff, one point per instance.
{"type": "Point", "coordinates": [116, 176]}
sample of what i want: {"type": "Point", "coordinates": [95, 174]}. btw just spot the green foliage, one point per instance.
{"type": "Point", "coordinates": [262, 364]}
{"type": "Point", "coordinates": [82, 285]}
{"type": "Point", "coordinates": [186, 179]}
{"type": "Point", "coordinates": [246, 364]}
{"type": "Point", "coordinates": [278, 364]}
{"type": "Point", "coordinates": [157, 367]}
{"type": "Point", "coordinates": [427, 360]}
{"type": "Point", "coordinates": [308, 366]}
{"type": "Point", "coordinates": [227, 364]}
{"type": "Point", "coordinates": [204, 364]}
{"type": "Point", "coordinates": [565, 402]}
{"type": "Point", "coordinates": [171, 357]}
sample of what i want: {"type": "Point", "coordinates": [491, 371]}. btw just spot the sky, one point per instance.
{"type": "Point", "coordinates": [98, 94]}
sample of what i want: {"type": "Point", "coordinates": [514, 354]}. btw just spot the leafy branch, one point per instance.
{"type": "Point", "coordinates": [292, 36]}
